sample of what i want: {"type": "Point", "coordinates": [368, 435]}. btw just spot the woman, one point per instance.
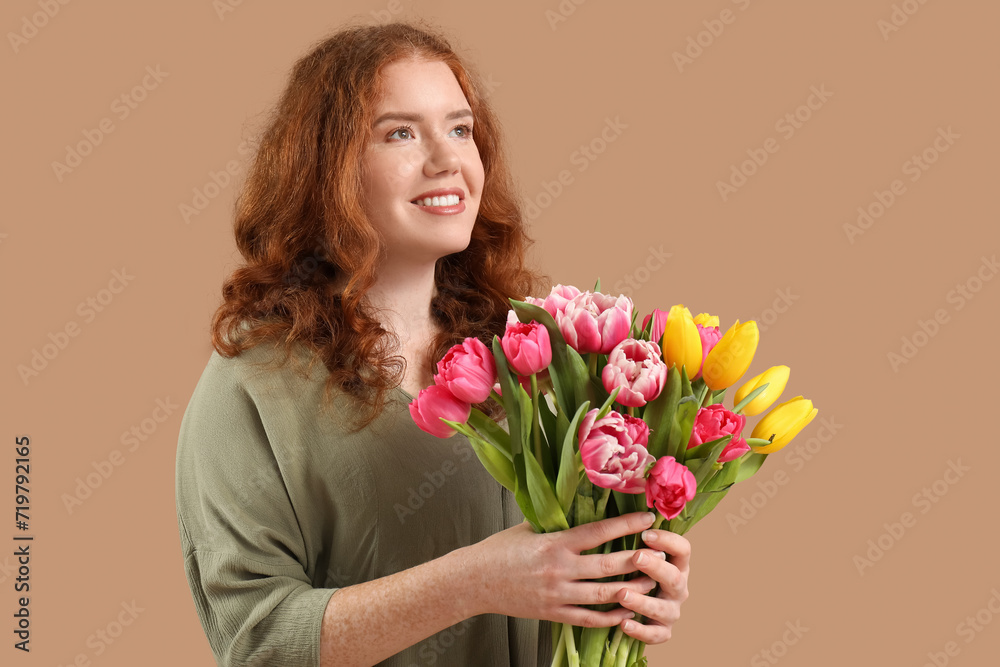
{"type": "Point", "coordinates": [320, 526]}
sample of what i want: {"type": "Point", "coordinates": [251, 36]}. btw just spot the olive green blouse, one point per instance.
{"type": "Point", "coordinates": [278, 507]}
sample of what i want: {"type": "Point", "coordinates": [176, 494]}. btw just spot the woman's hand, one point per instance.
{"type": "Point", "coordinates": [662, 610]}
{"type": "Point", "coordinates": [518, 572]}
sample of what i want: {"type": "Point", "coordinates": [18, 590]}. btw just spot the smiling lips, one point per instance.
{"type": "Point", "coordinates": [444, 201]}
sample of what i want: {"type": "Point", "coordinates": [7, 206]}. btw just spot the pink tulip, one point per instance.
{"type": "Point", "coordinates": [670, 487]}
{"type": "Point", "coordinates": [659, 324]}
{"type": "Point", "coordinates": [526, 346]}
{"type": "Point", "coordinates": [557, 299]}
{"type": "Point", "coordinates": [435, 402]}
{"type": "Point", "coordinates": [715, 421]}
{"type": "Point", "coordinates": [638, 369]}
{"type": "Point", "coordinates": [611, 457]}
{"type": "Point", "coordinates": [595, 322]}
{"type": "Point", "coordinates": [468, 371]}
{"type": "Point", "coordinates": [709, 337]}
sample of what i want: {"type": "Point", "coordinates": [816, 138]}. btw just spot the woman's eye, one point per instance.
{"type": "Point", "coordinates": [466, 130]}
{"type": "Point", "coordinates": [405, 130]}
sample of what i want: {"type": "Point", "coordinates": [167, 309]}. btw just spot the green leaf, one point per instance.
{"type": "Point", "coordinates": [569, 470]}
{"type": "Point", "coordinates": [597, 285]}
{"type": "Point", "coordinates": [686, 389]}
{"type": "Point", "coordinates": [750, 464]}
{"type": "Point", "coordinates": [494, 460]}
{"type": "Point", "coordinates": [680, 431]}
{"type": "Point", "coordinates": [659, 414]}
{"type": "Point", "coordinates": [606, 408]}
{"type": "Point", "coordinates": [749, 397]}
{"type": "Point", "coordinates": [550, 430]}
{"type": "Point", "coordinates": [491, 432]}
{"type": "Point", "coordinates": [706, 469]}
{"type": "Point", "coordinates": [543, 499]}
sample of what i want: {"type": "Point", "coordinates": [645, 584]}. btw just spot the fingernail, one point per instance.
{"type": "Point", "coordinates": [661, 555]}
{"type": "Point", "coordinates": [648, 536]}
{"type": "Point", "coordinates": [631, 614]}
{"type": "Point", "coordinates": [640, 559]}
{"type": "Point", "coordinates": [625, 596]}
{"type": "Point", "coordinates": [628, 626]}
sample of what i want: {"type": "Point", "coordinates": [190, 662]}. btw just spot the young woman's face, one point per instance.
{"type": "Point", "coordinates": [422, 143]}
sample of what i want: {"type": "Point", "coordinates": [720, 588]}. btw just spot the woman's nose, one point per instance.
{"type": "Point", "coordinates": [441, 158]}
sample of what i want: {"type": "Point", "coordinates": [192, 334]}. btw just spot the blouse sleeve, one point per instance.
{"type": "Point", "coordinates": [244, 553]}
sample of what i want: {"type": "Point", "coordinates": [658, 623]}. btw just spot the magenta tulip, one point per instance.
{"type": "Point", "coordinates": [435, 402]}
{"type": "Point", "coordinates": [527, 347]}
{"type": "Point", "coordinates": [670, 487]}
{"type": "Point", "coordinates": [468, 371]}
{"type": "Point", "coordinates": [709, 337]}
{"type": "Point", "coordinates": [636, 367]}
{"type": "Point", "coordinates": [613, 450]}
{"type": "Point", "coordinates": [714, 422]}
{"type": "Point", "coordinates": [659, 324]}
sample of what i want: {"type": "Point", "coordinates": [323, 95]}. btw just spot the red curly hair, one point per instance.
{"type": "Point", "coordinates": [300, 224]}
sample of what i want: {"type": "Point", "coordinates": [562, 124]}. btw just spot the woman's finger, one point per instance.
{"type": "Point", "coordinates": [676, 545]}
{"type": "Point", "coordinates": [595, 566]}
{"type": "Point", "coordinates": [591, 535]}
{"type": "Point", "coordinates": [604, 592]}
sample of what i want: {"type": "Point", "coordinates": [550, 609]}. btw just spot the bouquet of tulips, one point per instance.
{"type": "Point", "coordinates": [604, 418]}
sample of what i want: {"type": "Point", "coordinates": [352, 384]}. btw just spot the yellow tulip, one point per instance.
{"type": "Point", "coordinates": [731, 356]}
{"type": "Point", "coordinates": [775, 377]}
{"type": "Point", "coordinates": [706, 320]}
{"type": "Point", "coordinates": [681, 342]}
{"type": "Point", "coordinates": [784, 422]}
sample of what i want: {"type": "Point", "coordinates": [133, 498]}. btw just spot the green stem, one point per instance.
{"type": "Point", "coordinates": [559, 652]}
{"type": "Point", "coordinates": [495, 396]}
{"type": "Point", "coordinates": [635, 652]}
{"type": "Point", "coordinates": [613, 649]}
{"type": "Point", "coordinates": [703, 397]}
{"type": "Point", "coordinates": [573, 658]}
{"type": "Point", "coordinates": [592, 363]}
{"type": "Point", "coordinates": [535, 428]}
{"type": "Point", "coordinates": [631, 411]}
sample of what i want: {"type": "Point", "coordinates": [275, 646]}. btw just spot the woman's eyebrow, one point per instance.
{"type": "Point", "coordinates": [418, 118]}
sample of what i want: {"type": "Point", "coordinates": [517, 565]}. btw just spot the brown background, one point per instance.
{"type": "Point", "coordinates": [655, 185]}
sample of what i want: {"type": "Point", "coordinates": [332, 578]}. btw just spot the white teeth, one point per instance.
{"type": "Point", "coordinates": [447, 200]}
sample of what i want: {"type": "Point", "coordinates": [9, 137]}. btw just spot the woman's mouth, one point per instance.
{"type": "Point", "coordinates": [443, 205]}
